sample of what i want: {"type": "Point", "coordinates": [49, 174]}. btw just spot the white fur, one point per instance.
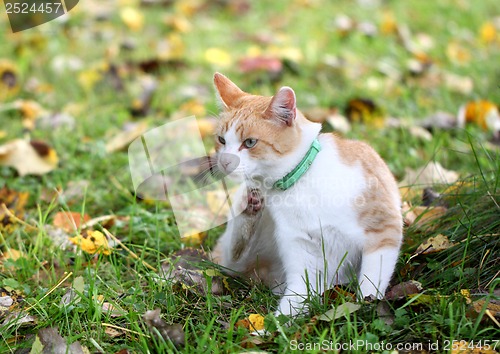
{"type": "Point", "coordinates": [311, 230]}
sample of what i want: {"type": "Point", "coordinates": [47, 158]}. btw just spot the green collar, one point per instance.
{"type": "Point", "coordinates": [299, 170]}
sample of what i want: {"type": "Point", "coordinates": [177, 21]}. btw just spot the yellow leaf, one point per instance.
{"type": "Point", "coordinates": [28, 157]}
{"type": "Point", "coordinates": [256, 322]}
{"type": "Point", "coordinates": [178, 23]}
{"type": "Point", "coordinates": [88, 78]}
{"type": "Point", "coordinates": [206, 126]}
{"type": "Point", "coordinates": [92, 242]}
{"type": "Point", "coordinates": [195, 239]}
{"type": "Point", "coordinates": [218, 57]}
{"type": "Point", "coordinates": [388, 24]}
{"type": "Point", "coordinates": [488, 32]}
{"type": "Point", "coordinates": [484, 114]}
{"type": "Point", "coordinates": [193, 107]}
{"type": "Point", "coordinates": [132, 18]}
{"type": "Point", "coordinates": [458, 54]}
{"type": "Point", "coordinates": [170, 48]}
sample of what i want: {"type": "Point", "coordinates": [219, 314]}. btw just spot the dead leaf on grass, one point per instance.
{"type": "Point", "coordinates": [482, 113]}
{"type": "Point", "coordinates": [403, 290]}
{"type": "Point", "coordinates": [53, 342]}
{"type": "Point", "coordinates": [14, 201]}
{"type": "Point", "coordinates": [421, 217]}
{"type": "Point", "coordinates": [434, 244]}
{"type": "Point", "coordinates": [9, 80]}
{"type": "Point", "coordinates": [123, 139]}
{"type": "Point", "coordinates": [28, 157]}
{"type": "Point", "coordinates": [342, 310]}
{"type": "Point", "coordinates": [92, 241]}
{"type": "Point", "coordinates": [69, 221]}
{"type": "Point", "coordinates": [170, 333]}
{"type": "Point", "coordinates": [431, 174]}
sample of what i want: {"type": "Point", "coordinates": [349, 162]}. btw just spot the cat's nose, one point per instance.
{"type": "Point", "coordinates": [228, 162]}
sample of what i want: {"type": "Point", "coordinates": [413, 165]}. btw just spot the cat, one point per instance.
{"type": "Point", "coordinates": [322, 210]}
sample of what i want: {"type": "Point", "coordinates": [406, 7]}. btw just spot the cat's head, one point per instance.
{"type": "Point", "coordinates": [256, 135]}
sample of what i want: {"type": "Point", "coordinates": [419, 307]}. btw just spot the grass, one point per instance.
{"type": "Point", "coordinates": [439, 315]}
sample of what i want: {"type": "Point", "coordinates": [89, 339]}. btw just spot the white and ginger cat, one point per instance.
{"type": "Point", "coordinates": [321, 210]}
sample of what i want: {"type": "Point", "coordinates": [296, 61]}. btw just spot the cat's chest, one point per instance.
{"type": "Point", "coordinates": [325, 195]}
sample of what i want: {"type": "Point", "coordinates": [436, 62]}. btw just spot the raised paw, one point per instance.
{"type": "Point", "coordinates": [255, 202]}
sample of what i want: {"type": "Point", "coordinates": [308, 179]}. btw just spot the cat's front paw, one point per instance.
{"type": "Point", "coordinates": [255, 202]}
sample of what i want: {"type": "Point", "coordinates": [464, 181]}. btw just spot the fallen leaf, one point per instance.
{"type": "Point", "coordinates": [9, 80]}
{"type": "Point", "coordinates": [256, 322]}
{"type": "Point", "coordinates": [92, 242]}
{"type": "Point", "coordinates": [15, 202]}
{"type": "Point", "coordinates": [403, 290]}
{"type": "Point", "coordinates": [434, 244]}
{"type": "Point", "coordinates": [112, 310]}
{"type": "Point", "coordinates": [113, 333]}
{"type": "Point", "coordinates": [364, 110]}
{"type": "Point", "coordinates": [219, 57]}
{"type": "Point", "coordinates": [132, 18]}
{"type": "Point", "coordinates": [53, 342]}
{"type": "Point", "coordinates": [458, 54]}
{"type": "Point", "coordinates": [440, 120]}
{"type": "Point", "coordinates": [260, 63]}
{"type": "Point", "coordinates": [388, 25]}
{"type": "Point", "coordinates": [488, 32]}
{"type": "Point", "coordinates": [336, 312]}
{"type": "Point", "coordinates": [421, 217]}
{"type": "Point", "coordinates": [487, 308]}
{"type": "Point", "coordinates": [37, 347]}
{"type": "Point", "coordinates": [431, 174]}
{"type": "Point", "coordinates": [28, 157]}
{"type": "Point", "coordinates": [124, 138]}
{"type": "Point", "coordinates": [158, 327]}
{"type": "Point", "coordinates": [458, 83]}
{"type": "Point", "coordinates": [484, 114]}
{"type": "Point", "coordinates": [69, 221]}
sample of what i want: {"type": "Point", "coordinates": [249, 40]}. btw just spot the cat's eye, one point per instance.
{"type": "Point", "coordinates": [222, 140]}
{"type": "Point", "coordinates": [250, 143]}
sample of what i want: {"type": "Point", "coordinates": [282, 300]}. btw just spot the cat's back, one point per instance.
{"type": "Point", "coordinates": [380, 182]}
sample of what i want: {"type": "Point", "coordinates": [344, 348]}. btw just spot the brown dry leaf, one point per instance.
{"type": "Point", "coordinates": [170, 333]}
{"type": "Point", "coordinates": [484, 114]}
{"type": "Point", "coordinates": [53, 342]}
{"type": "Point", "coordinates": [421, 217]}
{"type": "Point", "coordinates": [112, 310]}
{"type": "Point", "coordinates": [403, 290]}
{"type": "Point", "coordinates": [15, 202]}
{"type": "Point", "coordinates": [123, 139]}
{"type": "Point", "coordinates": [92, 242]}
{"type": "Point", "coordinates": [431, 174]}
{"type": "Point", "coordinates": [364, 110]}
{"type": "Point", "coordinates": [434, 244]}
{"type": "Point", "coordinates": [69, 221]}
{"type": "Point", "coordinates": [113, 333]}
{"type": "Point", "coordinates": [28, 157]}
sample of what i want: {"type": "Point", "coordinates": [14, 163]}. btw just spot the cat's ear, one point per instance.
{"type": "Point", "coordinates": [227, 91]}
{"type": "Point", "coordinates": [283, 106]}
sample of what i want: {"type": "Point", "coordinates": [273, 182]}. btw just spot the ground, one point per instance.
{"type": "Point", "coordinates": [76, 83]}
